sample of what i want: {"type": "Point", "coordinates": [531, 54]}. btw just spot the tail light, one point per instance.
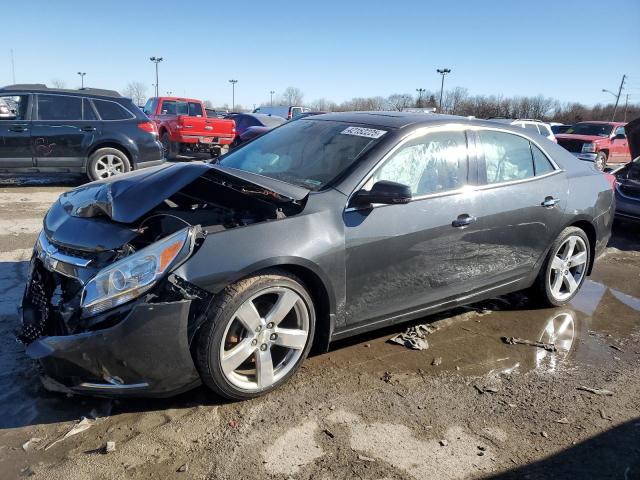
{"type": "Point", "coordinates": [289, 115]}
{"type": "Point", "coordinates": [149, 127]}
{"type": "Point", "coordinates": [611, 179]}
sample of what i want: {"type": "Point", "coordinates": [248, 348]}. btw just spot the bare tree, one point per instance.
{"type": "Point", "coordinates": [57, 83]}
{"type": "Point", "coordinates": [208, 104]}
{"type": "Point", "coordinates": [323, 105]}
{"type": "Point", "coordinates": [400, 101]}
{"type": "Point", "coordinates": [291, 96]}
{"type": "Point", "coordinates": [136, 91]}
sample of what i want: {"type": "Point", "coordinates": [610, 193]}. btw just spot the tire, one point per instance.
{"type": "Point", "coordinates": [553, 286]}
{"type": "Point", "coordinates": [233, 355]}
{"type": "Point", "coordinates": [601, 161]}
{"type": "Point", "coordinates": [236, 143]}
{"type": "Point", "coordinates": [107, 162]}
{"type": "Point", "coordinates": [169, 148]}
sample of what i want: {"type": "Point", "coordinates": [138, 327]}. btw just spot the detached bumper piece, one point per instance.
{"type": "Point", "coordinates": [145, 354]}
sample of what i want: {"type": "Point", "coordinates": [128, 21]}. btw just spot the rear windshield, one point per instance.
{"type": "Point", "coordinates": [597, 129]}
{"type": "Point", "coordinates": [270, 121]}
{"type": "Point", "coordinates": [176, 107]}
{"type": "Point", "coordinates": [307, 153]}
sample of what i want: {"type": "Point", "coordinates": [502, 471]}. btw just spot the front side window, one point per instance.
{"type": "Point", "coordinates": [150, 106]}
{"type": "Point", "coordinates": [545, 131]}
{"type": "Point", "coordinates": [59, 107]}
{"type": "Point", "coordinates": [436, 162]}
{"type": "Point", "coordinates": [13, 107]}
{"type": "Point", "coordinates": [111, 110]}
{"type": "Point", "coordinates": [507, 157]}
{"type": "Point", "coordinates": [620, 131]}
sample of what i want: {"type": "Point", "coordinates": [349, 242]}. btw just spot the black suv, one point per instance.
{"type": "Point", "coordinates": [97, 132]}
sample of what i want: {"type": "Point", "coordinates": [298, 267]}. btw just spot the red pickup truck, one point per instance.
{"type": "Point", "coordinates": [599, 142]}
{"type": "Point", "coordinates": [183, 126]}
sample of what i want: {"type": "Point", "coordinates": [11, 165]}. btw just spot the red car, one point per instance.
{"type": "Point", "coordinates": [183, 126]}
{"type": "Point", "coordinates": [599, 142]}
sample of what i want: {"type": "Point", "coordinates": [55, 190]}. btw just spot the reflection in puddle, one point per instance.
{"type": "Point", "coordinates": [559, 331]}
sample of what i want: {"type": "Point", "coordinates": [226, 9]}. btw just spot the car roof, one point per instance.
{"type": "Point", "coordinates": [40, 87]}
{"type": "Point", "coordinates": [602, 122]}
{"type": "Point", "coordinates": [395, 119]}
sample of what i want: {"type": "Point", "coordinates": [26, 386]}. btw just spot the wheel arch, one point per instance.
{"type": "Point", "coordinates": [115, 145]}
{"type": "Point", "coordinates": [589, 229]}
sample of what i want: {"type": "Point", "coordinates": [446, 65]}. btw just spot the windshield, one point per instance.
{"type": "Point", "coordinates": [597, 129]}
{"type": "Point", "coordinates": [307, 153]}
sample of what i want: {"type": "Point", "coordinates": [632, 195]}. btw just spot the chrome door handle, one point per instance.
{"type": "Point", "coordinates": [88, 129]}
{"type": "Point", "coordinates": [549, 202]}
{"type": "Point", "coordinates": [463, 221]}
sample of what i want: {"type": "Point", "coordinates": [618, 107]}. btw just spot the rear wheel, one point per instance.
{"type": "Point", "coordinates": [107, 162]}
{"type": "Point", "coordinates": [565, 268]}
{"type": "Point", "coordinates": [601, 161]}
{"type": "Point", "coordinates": [169, 148]}
{"type": "Point", "coordinates": [259, 332]}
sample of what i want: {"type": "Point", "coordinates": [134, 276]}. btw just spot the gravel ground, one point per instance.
{"type": "Point", "coordinates": [470, 406]}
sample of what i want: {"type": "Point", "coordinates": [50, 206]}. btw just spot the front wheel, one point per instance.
{"type": "Point", "coordinates": [565, 268]}
{"type": "Point", "coordinates": [258, 333]}
{"type": "Point", "coordinates": [601, 161]}
{"type": "Point", "coordinates": [107, 162]}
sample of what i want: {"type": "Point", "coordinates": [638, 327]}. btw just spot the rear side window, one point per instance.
{"type": "Point", "coordinates": [59, 107]}
{"type": "Point", "coordinates": [195, 109]}
{"type": "Point", "coordinates": [13, 107]}
{"type": "Point", "coordinates": [436, 162]}
{"type": "Point", "coordinates": [168, 107]}
{"type": "Point", "coordinates": [545, 131]}
{"type": "Point", "coordinates": [540, 161]}
{"type": "Point", "coordinates": [111, 110]}
{"type": "Point", "coordinates": [507, 157]}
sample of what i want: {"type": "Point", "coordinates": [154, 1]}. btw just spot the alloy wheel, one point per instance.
{"type": "Point", "coordinates": [264, 339]}
{"type": "Point", "coordinates": [568, 268]}
{"type": "Point", "coordinates": [108, 166]}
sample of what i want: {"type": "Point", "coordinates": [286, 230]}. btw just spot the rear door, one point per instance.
{"type": "Point", "coordinates": [15, 131]}
{"type": "Point", "coordinates": [63, 129]}
{"type": "Point", "coordinates": [523, 199]}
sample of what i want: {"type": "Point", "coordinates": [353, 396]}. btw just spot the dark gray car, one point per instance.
{"type": "Point", "coordinates": [152, 282]}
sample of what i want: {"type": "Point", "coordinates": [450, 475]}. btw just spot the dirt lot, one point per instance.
{"type": "Point", "coordinates": [470, 406]}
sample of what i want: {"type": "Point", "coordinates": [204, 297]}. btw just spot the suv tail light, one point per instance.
{"type": "Point", "coordinates": [149, 127]}
{"type": "Point", "coordinates": [611, 179]}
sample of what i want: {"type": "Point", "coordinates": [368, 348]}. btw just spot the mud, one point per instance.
{"type": "Point", "coordinates": [368, 408]}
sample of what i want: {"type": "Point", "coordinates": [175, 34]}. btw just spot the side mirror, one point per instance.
{"type": "Point", "coordinates": [385, 192]}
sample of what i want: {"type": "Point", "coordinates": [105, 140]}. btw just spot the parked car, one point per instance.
{"type": "Point", "coordinates": [92, 131]}
{"type": "Point", "coordinates": [535, 126]}
{"type": "Point", "coordinates": [252, 125]}
{"type": "Point", "coordinates": [184, 126]}
{"type": "Point", "coordinates": [559, 128]}
{"type": "Point", "coordinates": [211, 113]}
{"type": "Point", "coordinates": [628, 178]}
{"type": "Point", "coordinates": [603, 143]}
{"type": "Point", "coordinates": [227, 273]}
{"type": "Point", "coordinates": [286, 112]}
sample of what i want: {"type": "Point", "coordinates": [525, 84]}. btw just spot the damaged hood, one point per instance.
{"type": "Point", "coordinates": [632, 129]}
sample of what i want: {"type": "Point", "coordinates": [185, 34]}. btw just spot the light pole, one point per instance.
{"type": "Point", "coordinates": [420, 92]}
{"type": "Point", "coordinates": [615, 108]}
{"type": "Point", "coordinates": [233, 94]}
{"type": "Point", "coordinates": [169, 92]}
{"type": "Point", "coordinates": [156, 60]}
{"type": "Point", "coordinates": [443, 72]}
{"type": "Point", "coordinates": [271, 93]}
{"type": "Point", "coordinates": [82, 74]}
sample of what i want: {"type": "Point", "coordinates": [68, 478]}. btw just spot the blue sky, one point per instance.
{"type": "Point", "coordinates": [568, 50]}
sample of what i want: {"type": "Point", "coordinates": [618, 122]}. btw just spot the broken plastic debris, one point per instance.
{"type": "Point", "coordinates": [550, 347]}
{"type": "Point", "coordinates": [110, 447]}
{"type": "Point", "coordinates": [414, 337]}
{"type": "Point", "coordinates": [596, 391]}
{"type": "Point", "coordinates": [80, 427]}
{"type": "Point", "coordinates": [27, 445]}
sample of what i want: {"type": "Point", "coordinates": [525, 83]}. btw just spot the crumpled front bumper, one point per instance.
{"type": "Point", "coordinates": [146, 354]}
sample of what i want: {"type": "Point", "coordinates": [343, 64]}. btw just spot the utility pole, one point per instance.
{"type": "Point", "coordinates": [156, 60]}
{"type": "Point", "coordinates": [443, 72]}
{"type": "Point", "coordinates": [615, 109]}
{"type": "Point", "coordinates": [626, 104]}
{"type": "Point", "coordinates": [271, 93]}
{"type": "Point", "coordinates": [233, 94]}
{"type": "Point", "coordinates": [420, 92]}
{"type": "Point", "coordinates": [82, 74]}
{"type": "Point", "coordinates": [13, 68]}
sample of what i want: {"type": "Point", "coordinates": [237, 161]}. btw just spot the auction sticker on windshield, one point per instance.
{"type": "Point", "coordinates": [363, 132]}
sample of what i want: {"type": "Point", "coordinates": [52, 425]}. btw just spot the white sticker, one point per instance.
{"type": "Point", "coordinates": [363, 132]}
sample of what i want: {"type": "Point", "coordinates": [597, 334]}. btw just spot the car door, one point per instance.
{"type": "Point", "coordinates": [522, 203]}
{"type": "Point", "coordinates": [15, 131]}
{"type": "Point", "coordinates": [620, 146]}
{"type": "Point", "coordinates": [402, 257]}
{"type": "Point", "coordinates": [63, 129]}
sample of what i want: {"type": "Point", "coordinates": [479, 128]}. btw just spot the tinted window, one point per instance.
{"type": "Point", "coordinates": [434, 163]}
{"type": "Point", "coordinates": [507, 157]}
{"type": "Point", "coordinates": [59, 107]}
{"type": "Point", "coordinates": [620, 131]}
{"type": "Point", "coordinates": [87, 110]}
{"type": "Point", "coordinates": [111, 110]}
{"type": "Point", "coordinates": [168, 107]}
{"type": "Point", "coordinates": [13, 107]}
{"type": "Point", "coordinates": [596, 129]}
{"type": "Point", "coordinates": [195, 109]}
{"type": "Point", "coordinates": [540, 161]}
{"type": "Point", "coordinates": [150, 106]}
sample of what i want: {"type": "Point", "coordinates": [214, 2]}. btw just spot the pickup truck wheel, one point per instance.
{"type": "Point", "coordinates": [107, 162]}
{"type": "Point", "coordinates": [168, 147]}
{"type": "Point", "coordinates": [258, 332]}
{"type": "Point", "coordinates": [601, 161]}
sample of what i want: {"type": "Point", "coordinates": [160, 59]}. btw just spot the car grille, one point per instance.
{"type": "Point", "coordinates": [571, 145]}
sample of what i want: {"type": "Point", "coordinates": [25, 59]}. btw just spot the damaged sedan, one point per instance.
{"type": "Point", "coordinates": [228, 274]}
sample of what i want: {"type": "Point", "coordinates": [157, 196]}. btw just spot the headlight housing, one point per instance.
{"type": "Point", "coordinates": [589, 147]}
{"type": "Point", "coordinates": [130, 277]}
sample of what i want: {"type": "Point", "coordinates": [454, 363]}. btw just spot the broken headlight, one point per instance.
{"type": "Point", "coordinates": [130, 277]}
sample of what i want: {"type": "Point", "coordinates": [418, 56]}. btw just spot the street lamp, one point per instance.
{"type": "Point", "coordinates": [82, 74]}
{"type": "Point", "coordinates": [443, 72]}
{"type": "Point", "coordinates": [156, 60]}
{"type": "Point", "coordinates": [271, 93]}
{"type": "Point", "coordinates": [420, 92]}
{"type": "Point", "coordinates": [233, 94]}
{"type": "Point", "coordinates": [169, 92]}
{"type": "Point", "coordinates": [609, 91]}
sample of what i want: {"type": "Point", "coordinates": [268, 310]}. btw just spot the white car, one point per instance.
{"type": "Point", "coordinates": [537, 126]}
